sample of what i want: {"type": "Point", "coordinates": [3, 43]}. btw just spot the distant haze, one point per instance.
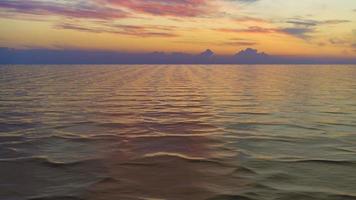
{"type": "Point", "coordinates": [247, 56]}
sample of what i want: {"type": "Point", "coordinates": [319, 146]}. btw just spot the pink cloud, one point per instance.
{"type": "Point", "coordinates": [176, 8]}
{"type": "Point", "coordinates": [104, 9]}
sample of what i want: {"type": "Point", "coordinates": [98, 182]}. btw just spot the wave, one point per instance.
{"type": "Point", "coordinates": [11, 138]}
{"type": "Point", "coordinates": [65, 197]}
{"type": "Point", "coordinates": [287, 125]}
{"type": "Point", "coordinates": [158, 157]}
{"type": "Point", "coordinates": [42, 160]}
{"type": "Point", "coordinates": [169, 155]}
{"type": "Point", "coordinates": [231, 197]}
{"type": "Point", "coordinates": [321, 161]}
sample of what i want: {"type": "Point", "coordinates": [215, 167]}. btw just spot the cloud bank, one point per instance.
{"type": "Point", "coordinates": [247, 56]}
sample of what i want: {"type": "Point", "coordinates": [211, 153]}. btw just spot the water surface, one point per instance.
{"type": "Point", "coordinates": [178, 132]}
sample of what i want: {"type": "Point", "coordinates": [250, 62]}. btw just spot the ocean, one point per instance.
{"type": "Point", "coordinates": [151, 132]}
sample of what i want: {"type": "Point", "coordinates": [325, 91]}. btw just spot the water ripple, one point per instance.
{"type": "Point", "coordinates": [177, 132]}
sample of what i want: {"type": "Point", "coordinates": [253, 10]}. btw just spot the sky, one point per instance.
{"type": "Point", "coordinates": [310, 28]}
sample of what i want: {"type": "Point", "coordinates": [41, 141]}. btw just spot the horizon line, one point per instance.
{"type": "Point", "coordinates": [171, 52]}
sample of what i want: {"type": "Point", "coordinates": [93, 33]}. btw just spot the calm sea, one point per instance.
{"type": "Point", "coordinates": [178, 132]}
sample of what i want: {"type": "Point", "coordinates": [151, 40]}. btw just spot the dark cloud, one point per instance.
{"type": "Point", "coordinates": [237, 42]}
{"type": "Point", "coordinates": [240, 42]}
{"type": "Point", "coordinates": [207, 53]}
{"type": "Point", "coordinates": [334, 21]}
{"type": "Point", "coordinates": [250, 19]}
{"type": "Point", "coordinates": [252, 54]}
{"type": "Point", "coordinates": [251, 29]}
{"type": "Point", "coordinates": [303, 28]}
{"type": "Point", "coordinates": [308, 22]}
{"type": "Point", "coordinates": [295, 27]}
{"type": "Point", "coordinates": [138, 31]}
{"type": "Point", "coordinates": [73, 9]}
{"type": "Point", "coordinates": [299, 32]}
{"type": "Point", "coordinates": [337, 41]}
{"type": "Point", "coordinates": [302, 32]}
{"type": "Point", "coordinates": [297, 22]}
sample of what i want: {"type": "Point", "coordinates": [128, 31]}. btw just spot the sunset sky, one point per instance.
{"type": "Point", "coordinates": [278, 27]}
